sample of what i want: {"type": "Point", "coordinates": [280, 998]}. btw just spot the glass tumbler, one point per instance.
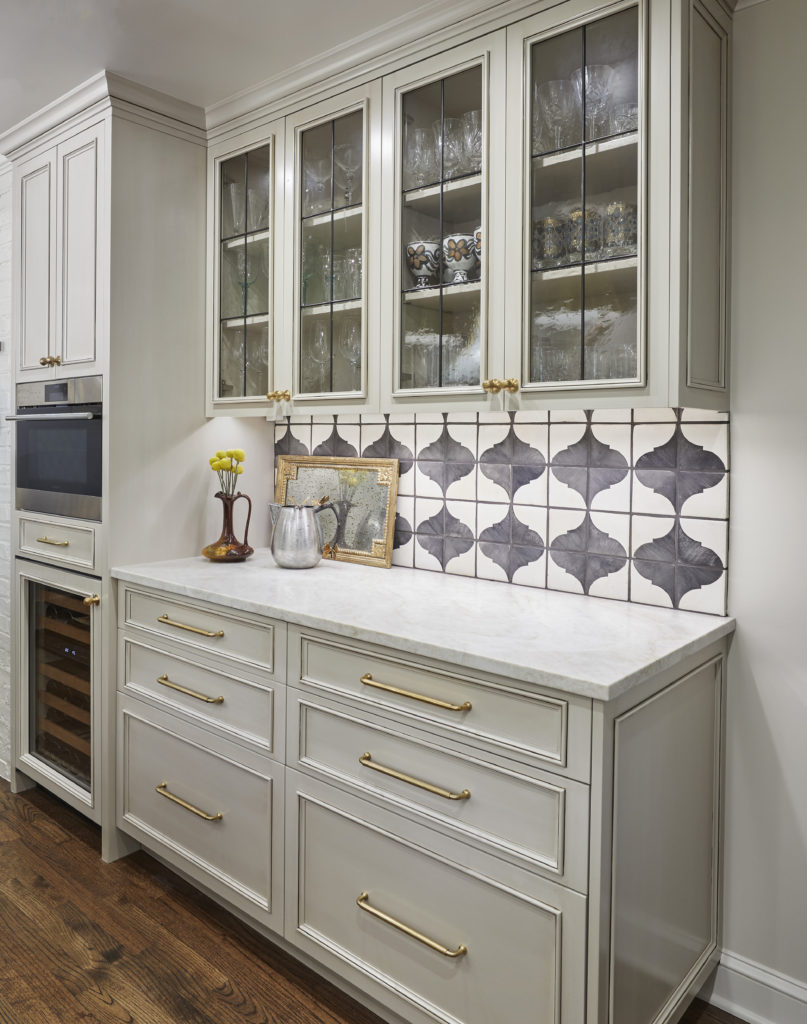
{"type": "Point", "coordinates": [353, 273]}
{"type": "Point", "coordinates": [421, 158]}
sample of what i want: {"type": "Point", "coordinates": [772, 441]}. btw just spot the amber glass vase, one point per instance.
{"type": "Point", "coordinates": [228, 548]}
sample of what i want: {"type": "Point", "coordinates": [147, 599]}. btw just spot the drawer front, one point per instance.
{"type": "Point", "coordinates": [204, 627]}
{"type": "Point", "coordinates": [524, 953]}
{"type": "Point", "coordinates": [247, 712]}
{"type": "Point", "coordinates": [554, 731]}
{"type": "Point", "coordinates": [542, 820]}
{"type": "Point", "coordinates": [227, 829]}
{"type": "Point", "coordinates": [70, 545]}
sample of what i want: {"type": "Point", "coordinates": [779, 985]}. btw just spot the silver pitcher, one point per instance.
{"type": "Point", "coordinates": [296, 541]}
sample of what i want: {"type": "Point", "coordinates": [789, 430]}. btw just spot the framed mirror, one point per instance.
{"type": "Point", "coordinates": [363, 493]}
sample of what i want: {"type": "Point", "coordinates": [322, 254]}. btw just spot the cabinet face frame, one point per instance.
{"type": "Point", "coordinates": [89, 804]}
{"type": "Point", "coordinates": [270, 134]}
{"type": "Point", "coordinates": [367, 101]}
{"type": "Point", "coordinates": [488, 53]}
{"type": "Point", "coordinates": [651, 220]}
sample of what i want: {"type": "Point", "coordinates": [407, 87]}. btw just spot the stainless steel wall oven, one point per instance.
{"type": "Point", "coordinates": [58, 450]}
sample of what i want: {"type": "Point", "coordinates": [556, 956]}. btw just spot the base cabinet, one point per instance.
{"type": "Point", "coordinates": [457, 846]}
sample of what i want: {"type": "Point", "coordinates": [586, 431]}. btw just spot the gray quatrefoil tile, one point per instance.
{"type": "Point", "coordinates": [588, 554]}
{"type": "Point", "coordinates": [677, 470]}
{"type": "Point", "coordinates": [443, 540]}
{"type": "Point", "coordinates": [590, 467]}
{"type": "Point", "coordinates": [292, 439]}
{"type": "Point", "coordinates": [512, 462]}
{"type": "Point", "coordinates": [389, 445]}
{"type": "Point", "coordinates": [446, 460]}
{"type": "Point", "coordinates": [683, 559]}
{"type": "Point", "coordinates": [338, 439]}
{"type": "Point", "coordinates": [511, 544]}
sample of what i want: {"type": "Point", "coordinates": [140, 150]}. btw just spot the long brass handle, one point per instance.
{"type": "Point", "coordinates": [91, 599]}
{"type": "Point", "coordinates": [191, 629]}
{"type": "Point", "coordinates": [162, 789]}
{"type": "Point", "coordinates": [55, 543]}
{"type": "Point", "coordinates": [362, 903]}
{"type": "Point", "coordinates": [165, 681]}
{"type": "Point", "coordinates": [367, 761]}
{"type": "Point", "coordinates": [367, 680]}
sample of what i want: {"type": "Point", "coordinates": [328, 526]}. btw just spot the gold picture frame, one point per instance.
{"type": "Point", "coordinates": [361, 525]}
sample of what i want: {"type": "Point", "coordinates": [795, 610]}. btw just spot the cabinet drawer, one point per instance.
{"type": "Point", "coordinates": [69, 545]}
{"type": "Point", "coordinates": [246, 711]}
{"type": "Point", "coordinates": [551, 730]}
{"type": "Point", "coordinates": [227, 832]}
{"type": "Point", "coordinates": [525, 947]}
{"type": "Point", "coordinates": [205, 627]}
{"type": "Point", "coordinates": [540, 819]}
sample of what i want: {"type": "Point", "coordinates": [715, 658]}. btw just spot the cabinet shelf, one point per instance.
{"type": "Point", "coordinates": [240, 321]}
{"type": "Point", "coordinates": [345, 213]}
{"type": "Point", "coordinates": [603, 277]}
{"type": "Point", "coordinates": [77, 633]}
{"type": "Point", "coordinates": [65, 707]}
{"type": "Point", "coordinates": [65, 736]}
{"type": "Point", "coordinates": [324, 308]}
{"type": "Point", "coordinates": [461, 198]}
{"type": "Point", "coordinates": [450, 185]}
{"type": "Point", "coordinates": [592, 149]}
{"type": "Point", "coordinates": [460, 296]}
{"type": "Point", "coordinates": [239, 240]}
{"type": "Point", "coordinates": [59, 675]}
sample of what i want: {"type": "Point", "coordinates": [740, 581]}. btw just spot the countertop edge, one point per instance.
{"type": "Point", "coordinates": [581, 687]}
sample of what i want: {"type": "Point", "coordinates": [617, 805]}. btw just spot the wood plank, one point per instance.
{"type": "Point", "coordinates": [702, 1013]}
{"type": "Point", "coordinates": [60, 704]}
{"type": "Point", "coordinates": [52, 671]}
{"type": "Point", "coordinates": [63, 600]}
{"type": "Point", "coordinates": [72, 632]}
{"type": "Point", "coordinates": [64, 736]}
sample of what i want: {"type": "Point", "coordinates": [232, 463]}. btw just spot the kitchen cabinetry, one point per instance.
{"type": "Point", "coordinates": [58, 230]}
{"type": "Point", "coordinates": [531, 246]}
{"type": "Point", "coordinates": [461, 840]}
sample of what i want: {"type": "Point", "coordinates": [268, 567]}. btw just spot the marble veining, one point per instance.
{"type": "Point", "coordinates": [597, 649]}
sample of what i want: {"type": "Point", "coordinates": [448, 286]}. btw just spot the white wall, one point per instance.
{"type": "Point", "coordinates": [5, 498]}
{"type": "Point", "coordinates": [766, 838]}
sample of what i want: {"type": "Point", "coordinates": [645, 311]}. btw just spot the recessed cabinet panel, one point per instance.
{"type": "Point", "coordinates": [37, 222]}
{"type": "Point", "coordinates": [584, 240]}
{"type": "Point", "coordinates": [77, 258]}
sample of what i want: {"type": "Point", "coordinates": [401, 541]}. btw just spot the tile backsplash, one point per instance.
{"type": "Point", "coordinates": [625, 504]}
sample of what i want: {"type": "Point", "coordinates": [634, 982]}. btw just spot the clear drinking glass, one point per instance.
{"type": "Point", "coordinates": [317, 174]}
{"type": "Point", "coordinates": [421, 158]}
{"type": "Point", "coordinates": [599, 80]}
{"type": "Point", "coordinates": [556, 100]}
{"type": "Point", "coordinates": [472, 141]}
{"type": "Point", "coordinates": [448, 136]}
{"type": "Point", "coordinates": [347, 156]}
{"type": "Point", "coordinates": [353, 263]}
{"type": "Point", "coordinates": [236, 190]}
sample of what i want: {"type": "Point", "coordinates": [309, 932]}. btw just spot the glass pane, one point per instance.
{"type": "Point", "coordinates": [331, 256]}
{"type": "Point", "coordinates": [232, 355]}
{"type": "Point", "coordinates": [442, 268]}
{"type": "Point", "coordinates": [233, 279]}
{"type": "Point", "coordinates": [584, 226]}
{"type": "Point", "coordinates": [256, 367]}
{"type": "Point", "coordinates": [233, 196]}
{"type": "Point", "coordinates": [59, 653]}
{"type": "Point", "coordinates": [258, 190]}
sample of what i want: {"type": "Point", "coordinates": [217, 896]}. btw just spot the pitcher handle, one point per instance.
{"type": "Point", "coordinates": [249, 513]}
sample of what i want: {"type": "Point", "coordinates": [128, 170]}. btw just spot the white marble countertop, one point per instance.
{"type": "Point", "coordinates": [584, 645]}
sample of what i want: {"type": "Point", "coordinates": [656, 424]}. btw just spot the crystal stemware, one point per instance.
{"type": "Point", "coordinates": [599, 80]}
{"type": "Point", "coordinates": [472, 141]}
{"type": "Point", "coordinates": [317, 174]}
{"type": "Point", "coordinates": [348, 341]}
{"type": "Point", "coordinates": [347, 156]}
{"type": "Point", "coordinates": [448, 140]}
{"type": "Point", "coordinates": [421, 158]}
{"type": "Point", "coordinates": [556, 100]}
{"type": "Point", "coordinates": [237, 205]}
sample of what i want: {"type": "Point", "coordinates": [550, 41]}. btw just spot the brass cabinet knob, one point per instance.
{"type": "Point", "coordinates": [494, 385]}
{"type": "Point", "coordinates": [91, 600]}
{"type": "Point", "coordinates": [56, 361]}
{"type": "Point", "coordinates": [279, 396]}
{"type": "Point", "coordinates": [44, 361]}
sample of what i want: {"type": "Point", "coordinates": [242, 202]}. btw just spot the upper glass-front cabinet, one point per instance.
{"type": "Point", "coordinates": [243, 209]}
{"type": "Point", "coordinates": [442, 170]}
{"type": "Point", "coordinates": [582, 259]}
{"type": "Point", "coordinates": [332, 189]}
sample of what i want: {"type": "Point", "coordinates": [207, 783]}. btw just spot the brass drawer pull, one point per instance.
{"type": "Point", "coordinates": [165, 681]}
{"type": "Point", "coordinates": [191, 629]}
{"type": "Point", "coordinates": [55, 543]}
{"type": "Point", "coordinates": [162, 789]}
{"type": "Point", "coordinates": [366, 760]}
{"type": "Point", "coordinates": [461, 950]}
{"type": "Point", "coordinates": [368, 680]}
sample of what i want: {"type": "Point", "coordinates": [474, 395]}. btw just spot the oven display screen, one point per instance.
{"type": "Point", "coordinates": [56, 392]}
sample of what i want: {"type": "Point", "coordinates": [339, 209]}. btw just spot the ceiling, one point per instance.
{"type": "Point", "coordinates": [201, 51]}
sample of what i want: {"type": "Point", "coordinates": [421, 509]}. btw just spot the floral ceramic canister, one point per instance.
{"type": "Point", "coordinates": [459, 255]}
{"type": "Point", "coordinates": [423, 260]}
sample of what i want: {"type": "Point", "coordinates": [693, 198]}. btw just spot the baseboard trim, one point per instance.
{"type": "Point", "coordinates": [755, 993]}
{"type": "Point", "coordinates": [5, 770]}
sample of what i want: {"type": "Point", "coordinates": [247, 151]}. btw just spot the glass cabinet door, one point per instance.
{"type": "Point", "coordinates": [244, 206]}
{"type": "Point", "coordinates": [583, 219]}
{"type": "Point", "coordinates": [330, 342]}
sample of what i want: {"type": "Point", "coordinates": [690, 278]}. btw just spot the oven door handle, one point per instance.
{"type": "Point", "coordinates": [54, 416]}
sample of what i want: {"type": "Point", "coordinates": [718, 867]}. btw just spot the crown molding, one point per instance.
{"type": "Point", "coordinates": [367, 56]}
{"type": "Point", "coordinates": [103, 86]}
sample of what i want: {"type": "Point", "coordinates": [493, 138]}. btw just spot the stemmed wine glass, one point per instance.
{"type": "Point", "coordinates": [317, 173]}
{"type": "Point", "coordinates": [247, 265]}
{"type": "Point", "coordinates": [599, 81]}
{"type": "Point", "coordinates": [348, 344]}
{"type": "Point", "coordinates": [556, 99]}
{"type": "Point", "coordinates": [421, 158]}
{"type": "Point", "coordinates": [318, 349]}
{"type": "Point", "coordinates": [347, 156]}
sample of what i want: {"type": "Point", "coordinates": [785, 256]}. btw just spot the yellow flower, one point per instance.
{"type": "Point", "coordinates": [229, 453]}
{"type": "Point", "coordinates": [239, 469]}
{"type": "Point", "coordinates": [238, 453]}
{"type": "Point", "coordinates": [213, 460]}
{"type": "Point", "coordinates": [225, 464]}
{"type": "Point", "coordinates": [220, 455]}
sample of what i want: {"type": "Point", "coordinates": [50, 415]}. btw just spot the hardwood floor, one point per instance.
{"type": "Point", "coordinates": [83, 942]}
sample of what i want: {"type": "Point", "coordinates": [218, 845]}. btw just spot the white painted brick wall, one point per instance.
{"type": "Point", "coordinates": [5, 496]}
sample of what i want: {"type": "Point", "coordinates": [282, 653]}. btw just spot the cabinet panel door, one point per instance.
{"type": "Point", "coordinates": [77, 246]}
{"type": "Point", "coordinates": [36, 210]}
{"type": "Point", "coordinates": [443, 231]}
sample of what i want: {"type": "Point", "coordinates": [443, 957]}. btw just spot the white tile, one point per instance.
{"type": "Point", "coordinates": [406, 481]}
{"type": "Point", "coordinates": [615, 498]}
{"type": "Point", "coordinates": [405, 506]}
{"type": "Point", "coordinates": [487, 569]}
{"type": "Point", "coordinates": [320, 432]}
{"type": "Point", "coordinates": [644, 592]}
{"type": "Point", "coordinates": [425, 559]}
{"type": "Point", "coordinates": [646, 500]}
{"type": "Point", "coordinates": [464, 564]}
{"type": "Point", "coordinates": [401, 417]}
{"type": "Point", "coordinates": [424, 486]}
{"type": "Point", "coordinates": [614, 586]}
{"type": "Point", "coordinates": [649, 436]}
{"type": "Point", "coordinates": [492, 434]}
{"type": "Point", "coordinates": [405, 555]}
{"type": "Point", "coordinates": [462, 417]}
{"type": "Point", "coordinates": [533, 574]}
{"type": "Point", "coordinates": [703, 416]}
{"type": "Point", "coordinates": [487, 489]}
{"type": "Point", "coordinates": [645, 529]}
{"type": "Point", "coordinates": [615, 436]}
{"type": "Point", "coordinates": [532, 493]}
{"type": "Point", "coordinates": [560, 495]}
{"type": "Point", "coordinates": [714, 437]}
{"type": "Point", "coordinates": [711, 533]}
{"type": "Point", "coordinates": [564, 435]}
{"type": "Point", "coordinates": [426, 434]}
{"type": "Point", "coordinates": [372, 418]}
{"type": "Point", "coordinates": [558, 579]}
{"type": "Point", "coordinates": [421, 418]}
{"type": "Point", "coordinates": [713, 503]}
{"type": "Point", "coordinates": [465, 512]}
{"type": "Point", "coordinates": [711, 598]}
{"type": "Point", "coordinates": [490, 515]}
{"type": "Point", "coordinates": [371, 432]}
{"type": "Point", "coordinates": [654, 415]}
{"type": "Point", "coordinates": [615, 526]}
{"type": "Point", "coordinates": [568, 416]}
{"type": "Point", "coordinates": [533, 416]}
{"type": "Point", "coordinates": [561, 521]}
{"type": "Point", "coordinates": [494, 417]}
{"type": "Point", "coordinates": [611, 416]}
{"type": "Point", "coordinates": [425, 508]}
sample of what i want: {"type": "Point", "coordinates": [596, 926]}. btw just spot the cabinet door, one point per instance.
{"type": "Point", "coordinates": [443, 234]}
{"type": "Point", "coordinates": [576, 124]}
{"type": "Point", "coordinates": [79, 292]}
{"type": "Point", "coordinates": [332, 190]}
{"type": "Point", "coordinates": [243, 225]}
{"type": "Point", "coordinates": [35, 220]}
